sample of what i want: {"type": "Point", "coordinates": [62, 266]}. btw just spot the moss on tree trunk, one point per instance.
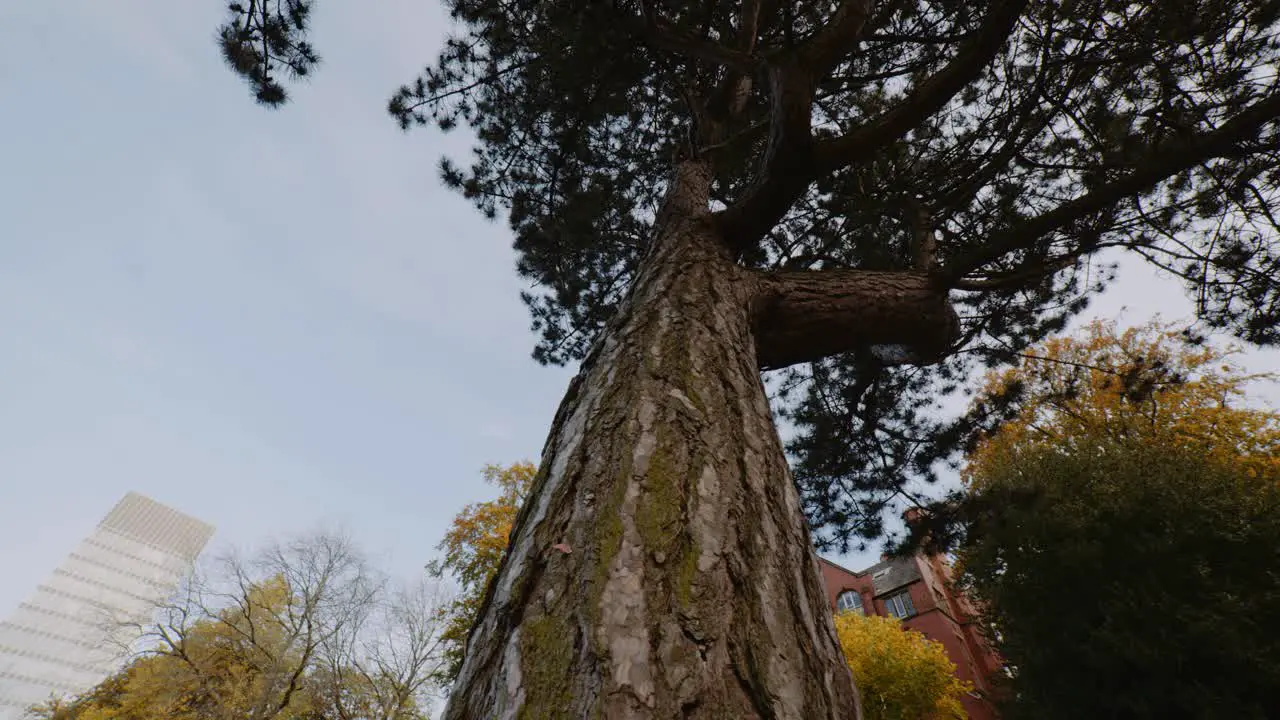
{"type": "Point", "coordinates": [662, 567]}
{"type": "Point", "coordinates": [690, 589]}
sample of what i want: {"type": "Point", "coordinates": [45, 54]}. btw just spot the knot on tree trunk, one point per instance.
{"type": "Point", "coordinates": [900, 317]}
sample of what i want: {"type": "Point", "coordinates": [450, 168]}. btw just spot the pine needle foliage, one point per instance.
{"type": "Point", "coordinates": [998, 145]}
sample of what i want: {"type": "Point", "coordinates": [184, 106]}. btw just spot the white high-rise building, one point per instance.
{"type": "Point", "coordinates": [59, 641]}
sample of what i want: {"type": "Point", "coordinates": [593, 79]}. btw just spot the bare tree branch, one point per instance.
{"type": "Point", "coordinates": [303, 619]}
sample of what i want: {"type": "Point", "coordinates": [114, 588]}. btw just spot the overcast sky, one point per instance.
{"type": "Point", "coordinates": [267, 320]}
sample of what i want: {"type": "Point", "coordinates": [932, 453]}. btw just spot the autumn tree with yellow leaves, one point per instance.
{"type": "Point", "coordinates": [900, 673]}
{"type": "Point", "coordinates": [303, 630]}
{"type": "Point", "coordinates": [473, 549]}
{"type": "Point", "coordinates": [1122, 526]}
{"type": "Point", "coordinates": [1153, 383]}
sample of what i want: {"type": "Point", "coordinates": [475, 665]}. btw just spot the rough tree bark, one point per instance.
{"type": "Point", "coordinates": [662, 567]}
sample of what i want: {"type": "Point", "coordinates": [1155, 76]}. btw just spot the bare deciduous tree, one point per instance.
{"type": "Point", "coordinates": [303, 629]}
{"type": "Point", "coordinates": [385, 670]}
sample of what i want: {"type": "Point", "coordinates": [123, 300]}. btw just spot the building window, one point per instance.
{"type": "Point", "coordinates": [899, 606]}
{"type": "Point", "coordinates": [849, 600]}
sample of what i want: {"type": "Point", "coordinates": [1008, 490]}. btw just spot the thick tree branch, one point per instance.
{"type": "Point", "coordinates": [787, 167]}
{"type": "Point", "coordinates": [731, 94]}
{"type": "Point", "coordinates": [793, 160]}
{"type": "Point", "coordinates": [689, 192]}
{"type": "Point", "coordinates": [663, 35]}
{"type": "Point", "coordinates": [1159, 163]}
{"type": "Point", "coordinates": [924, 237]}
{"type": "Point", "coordinates": [839, 38]}
{"type": "Point", "coordinates": [806, 316]}
{"type": "Point", "coordinates": [928, 97]}
{"type": "Point", "coordinates": [295, 682]}
{"type": "Point", "coordinates": [1018, 278]}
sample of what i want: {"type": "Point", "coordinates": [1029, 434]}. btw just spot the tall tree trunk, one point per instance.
{"type": "Point", "coordinates": [662, 567]}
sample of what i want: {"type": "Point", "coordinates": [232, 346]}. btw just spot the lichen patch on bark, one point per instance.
{"type": "Point", "coordinates": [623, 624]}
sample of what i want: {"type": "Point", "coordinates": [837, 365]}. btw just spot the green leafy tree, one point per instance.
{"type": "Point", "coordinates": [1123, 532]}
{"type": "Point", "coordinates": [871, 197]}
{"type": "Point", "coordinates": [900, 673]}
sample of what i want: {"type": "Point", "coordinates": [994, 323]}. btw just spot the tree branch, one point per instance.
{"type": "Point", "coordinates": [295, 679]}
{"type": "Point", "coordinates": [787, 167]}
{"type": "Point", "coordinates": [730, 96]}
{"type": "Point", "coordinates": [805, 316]}
{"type": "Point", "coordinates": [928, 97]}
{"type": "Point", "coordinates": [1018, 278]}
{"type": "Point", "coordinates": [924, 237]}
{"type": "Point", "coordinates": [663, 35]}
{"type": "Point", "coordinates": [838, 38]}
{"type": "Point", "coordinates": [793, 160]}
{"type": "Point", "coordinates": [1160, 162]}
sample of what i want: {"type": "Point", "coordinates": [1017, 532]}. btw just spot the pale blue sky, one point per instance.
{"type": "Point", "coordinates": [264, 319]}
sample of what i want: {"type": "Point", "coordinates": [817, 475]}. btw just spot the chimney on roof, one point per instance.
{"type": "Point", "coordinates": [916, 520]}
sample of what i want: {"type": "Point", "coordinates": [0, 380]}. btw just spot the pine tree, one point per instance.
{"type": "Point", "coordinates": [870, 197]}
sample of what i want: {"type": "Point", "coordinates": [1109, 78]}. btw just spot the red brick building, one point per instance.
{"type": "Point", "coordinates": [918, 591]}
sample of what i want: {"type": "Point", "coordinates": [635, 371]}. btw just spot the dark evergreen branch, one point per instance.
{"type": "Point", "coordinates": [837, 83]}
{"type": "Point", "coordinates": [928, 97]}
{"type": "Point", "coordinates": [401, 108]}
{"type": "Point", "coordinates": [920, 39]}
{"type": "Point", "coordinates": [1157, 164]}
{"type": "Point", "coordinates": [786, 168]}
{"type": "Point", "coordinates": [663, 35]}
{"type": "Point", "coordinates": [731, 94]}
{"type": "Point", "coordinates": [1018, 278]}
{"type": "Point", "coordinates": [794, 160]}
{"type": "Point", "coordinates": [838, 38]}
{"type": "Point", "coordinates": [257, 41]}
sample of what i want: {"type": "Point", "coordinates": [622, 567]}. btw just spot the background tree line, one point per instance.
{"type": "Point", "coordinates": [1119, 526]}
{"type": "Point", "coordinates": [301, 630]}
